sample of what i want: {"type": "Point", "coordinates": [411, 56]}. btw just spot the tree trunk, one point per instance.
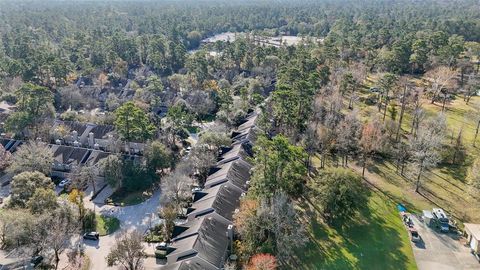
{"type": "Point", "coordinates": [57, 259]}
{"type": "Point", "coordinates": [417, 186]}
{"type": "Point", "coordinates": [476, 133]}
{"type": "Point", "coordinates": [379, 105]}
{"type": "Point", "coordinates": [386, 105]}
{"type": "Point", "coordinates": [364, 164]}
{"type": "Point", "coordinates": [469, 97]}
{"type": "Point", "coordinates": [444, 101]}
{"type": "Point", "coordinates": [385, 111]}
{"type": "Point", "coordinates": [402, 111]}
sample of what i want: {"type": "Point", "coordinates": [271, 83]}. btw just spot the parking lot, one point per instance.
{"type": "Point", "coordinates": [441, 251]}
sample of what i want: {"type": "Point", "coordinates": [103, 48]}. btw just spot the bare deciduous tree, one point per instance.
{"type": "Point", "coordinates": [32, 156]}
{"type": "Point", "coordinates": [439, 79]}
{"type": "Point", "coordinates": [128, 251]}
{"type": "Point", "coordinates": [201, 159]}
{"type": "Point", "coordinates": [5, 158]}
{"type": "Point", "coordinates": [176, 188]}
{"type": "Point", "coordinates": [425, 146]}
{"type": "Point", "coordinates": [371, 141]}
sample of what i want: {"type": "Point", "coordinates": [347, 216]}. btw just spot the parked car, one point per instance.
{"type": "Point", "coordinates": [442, 219]}
{"type": "Point", "coordinates": [162, 249]}
{"type": "Point", "coordinates": [161, 246]}
{"type": "Point", "coordinates": [408, 221]}
{"type": "Point", "coordinates": [196, 189]}
{"type": "Point", "coordinates": [1, 200]}
{"type": "Point", "coordinates": [36, 261]}
{"type": "Point", "coordinates": [91, 236]}
{"type": "Point", "coordinates": [414, 236]}
{"type": "Point", "coordinates": [65, 182]}
{"type": "Point", "coordinates": [374, 90]}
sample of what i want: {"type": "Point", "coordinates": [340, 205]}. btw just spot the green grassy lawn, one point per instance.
{"type": "Point", "coordinates": [129, 198]}
{"type": "Point", "coordinates": [447, 185]}
{"type": "Point", "coordinates": [106, 225]}
{"type": "Point", "coordinates": [375, 239]}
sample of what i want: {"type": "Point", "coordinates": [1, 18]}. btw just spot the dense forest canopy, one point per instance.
{"type": "Point", "coordinates": [301, 106]}
{"type": "Point", "coordinates": [78, 35]}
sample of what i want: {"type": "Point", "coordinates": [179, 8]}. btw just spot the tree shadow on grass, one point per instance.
{"type": "Point", "coordinates": [456, 171]}
{"type": "Point", "coordinates": [370, 240]}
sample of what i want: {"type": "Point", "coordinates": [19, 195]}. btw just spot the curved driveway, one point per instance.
{"type": "Point", "coordinates": [138, 217]}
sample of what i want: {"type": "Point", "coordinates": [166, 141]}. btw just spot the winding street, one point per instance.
{"type": "Point", "coordinates": [135, 217]}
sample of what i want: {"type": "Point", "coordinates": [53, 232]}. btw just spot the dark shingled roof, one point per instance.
{"type": "Point", "coordinates": [61, 153]}
{"type": "Point", "coordinates": [247, 135]}
{"type": "Point", "coordinates": [79, 127]}
{"type": "Point", "coordinates": [209, 243]}
{"type": "Point", "coordinates": [99, 132]}
{"type": "Point", "coordinates": [237, 172]}
{"type": "Point", "coordinates": [96, 156]}
{"type": "Point", "coordinates": [69, 155]}
{"type": "Point", "coordinates": [248, 123]}
{"type": "Point", "coordinates": [222, 199]}
{"type": "Point", "coordinates": [194, 263]}
{"type": "Point", "coordinates": [234, 152]}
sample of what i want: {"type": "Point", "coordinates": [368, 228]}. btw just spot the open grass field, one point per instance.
{"type": "Point", "coordinates": [447, 185]}
{"type": "Point", "coordinates": [375, 239]}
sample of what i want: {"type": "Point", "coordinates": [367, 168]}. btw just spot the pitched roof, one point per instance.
{"type": "Point", "coordinates": [100, 131]}
{"type": "Point", "coordinates": [249, 122]}
{"type": "Point", "coordinates": [246, 135]}
{"type": "Point", "coordinates": [10, 145]}
{"type": "Point", "coordinates": [222, 199]}
{"type": "Point", "coordinates": [234, 152]}
{"type": "Point", "coordinates": [95, 156]}
{"type": "Point", "coordinates": [207, 240]}
{"type": "Point", "coordinates": [72, 125]}
{"type": "Point", "coordinates": [61, 153]}
{"type": "Point", "coordinates": [69, 155]}
{"type": "Point", "coordinates": [194, 263]}
{"type": "Point", "coordinates": [236, 171]}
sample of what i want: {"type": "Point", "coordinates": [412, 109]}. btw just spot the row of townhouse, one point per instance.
{"type": "Point", "coordinates": [205, 240]}
{"type": "Point", "coordinates": [66, 158]}
{"type": "Point", "coordinates": [93, 136]}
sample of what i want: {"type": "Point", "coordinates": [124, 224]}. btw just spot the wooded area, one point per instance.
{"type": "Point", "coordinates": [378, 104]}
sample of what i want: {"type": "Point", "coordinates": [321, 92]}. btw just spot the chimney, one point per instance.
{"type": "Point", "coordinates": [135, 148]}
{"type": "Point", "coordinates": [230, 236]}
{"type": "Point", "coordinates": [91, 140]}
{"type": "Point", "coordinates": [75, 135]}
{"type": "Point", "coordinates": [110, 143]}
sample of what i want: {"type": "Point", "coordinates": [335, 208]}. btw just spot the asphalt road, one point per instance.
{"type": "Point", "coordinates": [440, 251]}
{"type": "Point", "coordinates": [136, 217]}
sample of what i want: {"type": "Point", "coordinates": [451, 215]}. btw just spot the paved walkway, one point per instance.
{"type": "Point", "coordinates": [136, 217]}
{"type": "Point", "coordinates": [439, 251]}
